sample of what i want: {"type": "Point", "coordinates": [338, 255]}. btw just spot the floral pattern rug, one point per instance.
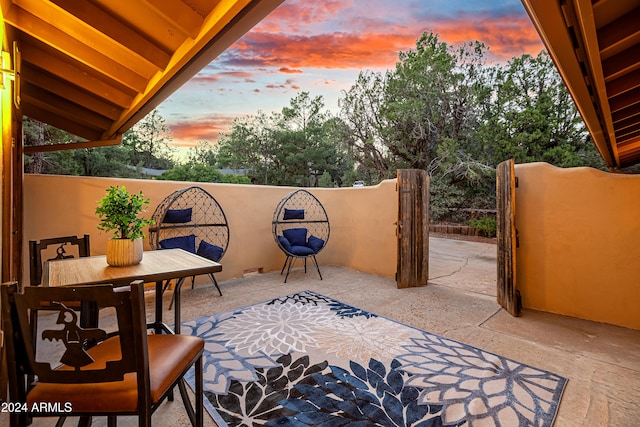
{"type": "Point", "coordinates": [309, 360]}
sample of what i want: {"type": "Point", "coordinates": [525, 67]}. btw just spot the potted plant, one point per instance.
{"type": "Point", "coordinates": [119, 211]}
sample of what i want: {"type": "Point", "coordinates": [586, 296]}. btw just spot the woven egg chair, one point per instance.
{"type": "Point", "coordinates": [300, 228]}
{"type": "Point", "coordinates": [191, 219]}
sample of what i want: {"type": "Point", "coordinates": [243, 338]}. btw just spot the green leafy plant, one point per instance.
{"type": "Point", "coordinates": [486, 226]}
{"type": "Point", "coordinates": [119, 212]}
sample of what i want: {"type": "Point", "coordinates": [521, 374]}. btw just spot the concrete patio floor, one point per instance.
{"type": "Point", "coordinates": [602, 362]}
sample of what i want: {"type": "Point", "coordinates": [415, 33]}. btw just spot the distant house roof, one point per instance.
{"type": "Point", "coordinates": [596, 47]}
{"type": "Point", "coordinates": [95, 68]}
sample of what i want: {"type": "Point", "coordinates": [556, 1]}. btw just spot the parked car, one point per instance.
{"type": "Point", "coordinates": [358, 184]}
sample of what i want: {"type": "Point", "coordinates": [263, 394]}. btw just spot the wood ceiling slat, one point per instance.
{"type": "Point", "coordinates": [631, 146]}
{"type": "Point", "coordinates": [621, 85]}
{"type": "Point", "coordinates": [629, 111]}
{"type": "Point", "coordinates": [622, 63]}
{"type": "Point", "coordinates": [82, 77]}
{"type": "Point", "coordinates": [60, 122]}
{"type": "Point", "coordinates": [61, 88]}
{"type": "Point", "coordinates": [628, 135]}
{"type": "Point", "coordinates": [180, 14]}
{"type": "Point", "coordinates": [624, 100]}
{"type": "Point", "coordinates": [628, 121]}
{"type": "Point", "coordinates": [62, 107]}
{"type": "Point", "coordinates": [66, 44]}
{"type": "Point", "coordinates": [620, 33]}
{"type": "Point", "coordinates": [125, 35]}
{"type": "Point", "coordinates": [147, 22]}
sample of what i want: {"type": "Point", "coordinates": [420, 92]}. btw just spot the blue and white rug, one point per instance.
{"type": "Point", "coordinates": [309, 360]}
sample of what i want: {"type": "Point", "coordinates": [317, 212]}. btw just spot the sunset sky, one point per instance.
{"type": "Point", "coordinates": [321, 46]}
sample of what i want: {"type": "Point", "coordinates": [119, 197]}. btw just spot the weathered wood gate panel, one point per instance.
{"type": "Point", "coordinates": [508, 296]}
{"type": "Point", "coordinates": [413, 228]}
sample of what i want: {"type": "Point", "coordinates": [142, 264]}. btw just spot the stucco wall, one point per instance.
{"type": "Point", "coordinates": [579, 232]}
{"type": "Point", "coordinates": [361, 219]}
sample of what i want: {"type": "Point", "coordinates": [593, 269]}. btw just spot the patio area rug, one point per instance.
{"type": "Point", "coordinates": [309, 360]}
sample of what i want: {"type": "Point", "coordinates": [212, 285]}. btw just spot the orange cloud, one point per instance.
{"type": "Point", "coordinates": [286, 70]}
{"type": "Point", "coordinates": [336, 50]}
{"type": "Point", "coordinates": [188, 132]}
{"type": "Point", "coordinates": [290, 53]}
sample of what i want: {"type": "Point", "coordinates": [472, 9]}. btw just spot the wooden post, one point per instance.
{"type": "Point", "coordinates": [413, 228]}
{"type": "Point", "coordinates": [507, 295]}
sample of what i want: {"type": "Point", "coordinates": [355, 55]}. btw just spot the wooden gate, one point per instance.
{"type": "Point", "coordinates": [508, 296]}
{"type": "Point", "coordinates": [413, 228]}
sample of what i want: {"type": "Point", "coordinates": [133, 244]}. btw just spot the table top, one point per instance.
{"type": "Point", "coordinates": [155, 266]}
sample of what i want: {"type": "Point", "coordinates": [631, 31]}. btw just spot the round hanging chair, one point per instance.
{"type": "Point", "coordinates": [300, 228]}
{"type": "Point", "coordinates": [191, 219]}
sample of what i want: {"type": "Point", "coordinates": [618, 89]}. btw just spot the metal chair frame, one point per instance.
{"type": "Point", "coordinates": [208, 221]}
{"type": "Point", "coordinates": [315, 221]}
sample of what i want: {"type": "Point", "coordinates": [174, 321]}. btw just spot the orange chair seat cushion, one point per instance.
{"type": "Point", "coordinates": [169, 356]}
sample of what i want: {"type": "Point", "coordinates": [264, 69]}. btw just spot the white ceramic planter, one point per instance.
{"type": "Point", "coordinates": [124, 252]}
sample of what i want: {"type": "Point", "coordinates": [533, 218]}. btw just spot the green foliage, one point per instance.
{"type": "Point", "coordinates": [203, 153]}
{"type": "Point", "coordinates": [293, 147]}
{"type": "Point", "coordinates": [119, 212]}
{"type": "Point", "coordinates": [200, 172]}
{"type": "Point", "coordinates": [531, 117]}
{"type": "Point", "coordinates": [486, 226]}
{"type": "Point", "coordinates": [148, 143]}
{"type": "Point", "coordinates": [325, 180]}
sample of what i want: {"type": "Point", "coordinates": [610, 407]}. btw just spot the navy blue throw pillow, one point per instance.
{"type": "Point", "coordinates": [207, 250]}
{"type": "Point", "coordinates": [296, 236]}
{"type": "Point", "coordinates": [177, 216]}
{"type": "Point", "coordinates": [188, 243]}
{"type": "Point", "coordinates": [315, 243]}
{"type": "Point", "coordinates": [284, 243]}
{"type": "Point", "coordinates": [301, 250]}
{"type": "Point", "coordinates": [293, 214]}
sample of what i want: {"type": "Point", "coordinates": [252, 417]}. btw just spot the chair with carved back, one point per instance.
{"type": "Point", "coordinates": [44, 249]}
{"type": "Point", "coordinates": [114, 368]}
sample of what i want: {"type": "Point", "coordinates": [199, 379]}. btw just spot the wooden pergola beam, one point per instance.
{"type": "Point", "coordinates": [32, 149]}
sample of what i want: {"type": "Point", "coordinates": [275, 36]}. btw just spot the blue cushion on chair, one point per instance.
{"type": "Point", "coordinates": [188, 243]}
{"type": "Point", "coordinates": [207, 250]}
{"type": "Point", "coordinates": [177, 216]}
{"type": "Point", "coordinates": [296, 236]}
{"type": "Point", "coordinates": [284, 243]}
{"type": "Point", "coordinates": [302, 250]}
{"type": "Point", "coordinates": [315, 243]}
{"type": "Point", "coordinates": [293, 214]}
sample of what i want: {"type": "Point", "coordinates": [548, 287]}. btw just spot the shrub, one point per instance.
{"type": "Point", "coordinates": [486, 226]}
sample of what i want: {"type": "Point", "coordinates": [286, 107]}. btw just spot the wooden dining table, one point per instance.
{"type": "Point", "coordinates": [159, 266]}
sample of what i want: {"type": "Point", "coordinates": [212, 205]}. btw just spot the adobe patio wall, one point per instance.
{"type": "Point", "coordinates": [579, 230]}
{"type": "Point", "coordinates": [363, 230]}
